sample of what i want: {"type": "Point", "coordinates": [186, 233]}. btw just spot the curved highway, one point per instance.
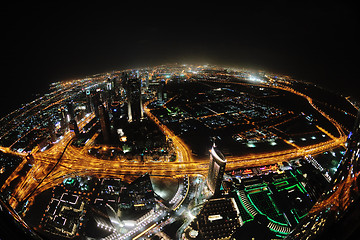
{"type": "Point", "coordinates": [75, 161]}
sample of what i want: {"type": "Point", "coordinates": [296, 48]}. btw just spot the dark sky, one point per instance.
{"type": "Point", "coordinates": [47, 43]}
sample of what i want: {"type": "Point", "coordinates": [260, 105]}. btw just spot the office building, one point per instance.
{"type": "Point", "coordinates": [161, 91]}
{"type": "Point", "coordinates": [51, 129]}
{"type": "Point", "coordinates": [88, 100]}
{"type": "Point", "coordinates": [72, 122]}
{"type": "Point", "coordinates": [216, 170]}
{"type": "Point", "coordinates": [115, 109]}
{"type": "Point", "coordinates": [105, 124]}
{"type": "Point", "coordinates": [95, 100]}
{"type": "Point", "coordinates": [133, 93]}
{"type": "Point", "coordinates": [63, 120]}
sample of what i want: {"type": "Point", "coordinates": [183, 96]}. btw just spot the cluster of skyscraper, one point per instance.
{"type": "Point", "coordinates": [118, 99]}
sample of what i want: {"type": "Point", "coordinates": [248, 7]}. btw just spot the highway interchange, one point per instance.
{"type": "Point", "coordinates": [62, 160]}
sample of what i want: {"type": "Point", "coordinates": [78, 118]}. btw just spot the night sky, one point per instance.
{"type": "Point", "coordinates": [46, 43]}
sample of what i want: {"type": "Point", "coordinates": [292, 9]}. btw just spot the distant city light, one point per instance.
{"type": "Point", "coordinates": [130, 153]}
{"type": "Point", "coordinates": [254, 79]}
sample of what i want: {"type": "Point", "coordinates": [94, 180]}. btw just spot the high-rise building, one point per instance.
{"type": "Point", "coordinates": [71, 111]}
{"type": "Point", "coordinates": [52, 133]}
{"type": "Point", "coordinates": [95, 100]}
{"type": "Point", "coordinates": [115, 82]}
{"type": "Point", "coordinates": [72, 123]}
{"type": "Point", "coordinates": [105, 123]}
{"type": "Point", "coordinates": [216, 170]}
{"type": "Point", "coordinates": [63, 120]}
{"type": "Point", "coordinates": [146, 80]}
{"type": "Point", "coordinates": [336, 214]}
{"type": "Point", "coordinates": [133, 93]}
{"type": "Point", "coordinates": [161, 91]}
{"type": "Point", "coordinates": [88, 100]}
{"type": "Point", "coordinates": [74, 127]}
{"type": "Point", "coordinates": [115, 109]}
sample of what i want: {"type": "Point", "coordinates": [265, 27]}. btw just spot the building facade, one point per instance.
{"type": "Point", "coordinates": [216, 170]}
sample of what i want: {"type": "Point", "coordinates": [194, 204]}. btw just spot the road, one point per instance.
{"type": "Point", "coordinates": [49, 170]}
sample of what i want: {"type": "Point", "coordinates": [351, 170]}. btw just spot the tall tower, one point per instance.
{"type": "Point", "coordinates": [216, 170]}
{"type": "Point", "coordinates": [88, 100]}
{"type": "Point", "coordinates": [161, 88]}
{"type": "Point", "coordinates": [51, 128]}
{"type": "Point", "coordinates": [95, 100]}
{"type": "Point", "coordinates": [63, 121]}
{"type": "Point", "coordinates": [72, 123]}
{"type": "Point", "coordinates": [115, 109]}
{"type": "Point", "coordinates": [105, 123]}
{"type": "Point", "coordinates": [133, 92]}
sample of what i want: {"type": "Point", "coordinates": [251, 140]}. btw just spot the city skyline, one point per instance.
{"type": "Point", "coordinates": [312, 42]}
{"type": "Point", "coordinates": [138, 146]}
{"type": "Point", "coordinates": [191, 121]}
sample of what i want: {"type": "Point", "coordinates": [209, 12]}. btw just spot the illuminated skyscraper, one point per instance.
{"type": "Point", "coordinates": [161, 89]}
{"type": "Point", "coordinates": [63, 119]}
{"type": "Point", "coordinates": [115, 82]}
{"type": "Point", "coordinates": [133, 92]}
{"type": "Point", "coordinates": [115, 109]}
{"type": "Point", "coordinates": [105, 123]}
{"type": "Point", "coordinates": [70, 108]}
{"type": "Point", "coordinates": [88, 100]}
{"type": "Point", "coordinates": [72, 123]}
{"type": "Point", "coordinates": [216, 170]}
{"type": "Point", "coordinates": [52, 133]}
{"type": "Point", "coordinates": [95, 100]}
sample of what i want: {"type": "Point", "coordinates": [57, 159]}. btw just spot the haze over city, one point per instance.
{"type": "Point", "coordinates": [46, 43]}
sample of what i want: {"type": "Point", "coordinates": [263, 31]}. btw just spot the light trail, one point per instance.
{"type": "Point", "coordinates": [77, 162]}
